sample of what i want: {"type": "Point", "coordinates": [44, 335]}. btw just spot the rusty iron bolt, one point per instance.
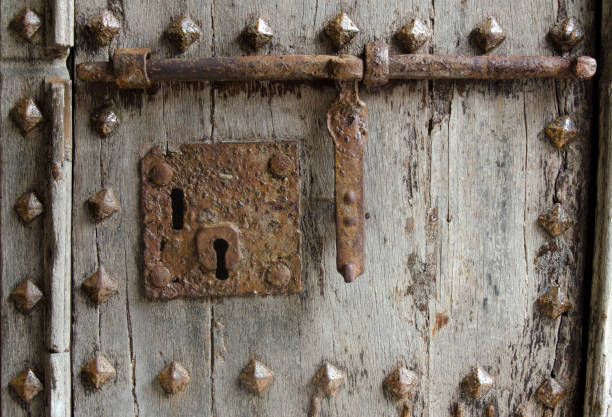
{"type": "Point", "coordinates": [278, 275]}
{"type": "Point", "coordinates": [556, 221]}
{"type": "Point", "coordinates": [550, 393]}
{"type": "Point", "coordinates": [103, 27]}
{"type": "Point", "coordinates": [477, 383]}
{"type": "Point", "coordinates": [400, 383]}
{"type": "Point", "coordinates": [26, 296]}
{"type": "Point", "coordinates": [160, 276]}
{"type": "Point", "coordinates": [28, 207]}
{"type": "Point", "coordinates": [566, 34]}
{"type": "Point", "coordinates": [100, 286]}
{"type": "Point", "coordinates": [256, 377]}
{"type": "Point", "coordinates": [554, 302]}
{"type": "Point", "coordinates": [26, 115]}
{"type": "Point", "coordinates": [341, 30]}
{"type": "Point", "coordinates": [413, 35]}
{"type": "Point", "coordinates": [257, 33]}
{"type": "Point", "coordinates": [562, 131]}
{"type": "Point", "coordinates": [161, 173]}
{"type": "Point", "coordinates": [26, 385]}
{"type": "Point", "coordinates": [98, 371]}
{"type": "Point", "coordinates": [26, 23]}
{"type": "Point", "coordinates": [183, 32]}
{"type": "Point", "coordinates": [105, 122]}
{"type": "Point", "coordinates": [488, 35]}
{"type": "Point", "coordinates": [103, 204]}
{"type": "Point", "coordinates": [174, 378]}
{"type": "Point", "coordinates": [280, 165]}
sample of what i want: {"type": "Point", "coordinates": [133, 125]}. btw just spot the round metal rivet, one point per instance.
{"type": "Point", "coordinates": [161, 173]}
{"type": "Point", "coordinates": [160, 276]}
{"type": "Point", "coordinates": [278, 275]}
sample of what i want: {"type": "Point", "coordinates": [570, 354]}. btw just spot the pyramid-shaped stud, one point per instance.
{"type": "Point", "coordinates": [561, 131]}
{"type": "Point", "coordinates": [100, 286]}
{"type": "Point", "coordinates": [329, 379]}
{"type": "Point", "coordinates": [103, 204]}
{"type": "Point", "coordinates": [174, 378]}
{"type": "Point", "coordinates": [28, 207]}
{"type": "Point", "coordinates": [103, 27]}
{"type": "Point", "coordinates": [26, 296]}
{"type": "Point", "coordinates": [488, 35]}
{"type": "Point", "coordinates": [257, 33]}
{"type": "Point", "coordinates": [256, 377]}
{"type": "Point", "coordinates": [183, 32]}
{"type": "Point", "coordinates": [477, 383]}
{"type": "Point", "coordinates": [400, 383]}
{"type": "Point", "coordinates": [566, 34]}
{"type": "Point", "coordinates": [26, 385]}
{"type": "Point", "coordinates": [555, 221]}
{"type": "Point", "coordinates": [26, 115]}
{"type": "Point", "coordinates": [341, 29]}
{"type": "Point", "coordinates": [413, 35]}
{"type": "Point", "coordinates": [550, 393]}
{"type": "Point", "coordinates": [105, 121]}
{"type": "Point", "coordinates": [554, 302]}
{"type": "Point", "coordinates": [26, 23]}
{"type": "Point", "coordinates": [98, 371]}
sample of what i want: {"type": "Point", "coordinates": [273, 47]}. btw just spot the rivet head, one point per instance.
{"type": "Point", "coordinates": [160, 276]}
{"type": "Point", "coordinates": [98, 371]}
{"type": "Point", "coordinates": [28, 207]}
{"type": "Point", "coordinates": [554, 302]}
{"type": "Point", "coordinates": [183, 32]}
{"type": "Point", "coordinates": [413, 35]}
{"type": "Point", "coordinates": [566, 34]}
{"type": "Point", "coordinates": [488, 35]}
{"type": "Point", "coordinates": [278, 275]}
{"type": "Point", "coordinates": [103, 204]}
{"type": "Point", "coordinates": [26, 385]}
{"type": "Point", "coordinates": [26, 23]}
{"type": "Point", "coordinates": [555, 221]}
{"type": "Point", "coordinates": [100, 286]}
{"type": "Point", "coordinates": [400, 383]}
{"type": "Point", "coordinates": [280, 165]}
{"type": "Point", "coordinates": [161, 173]}
{"type": "Point", "coordinates": [105, 122]}
{"type": "Point", "coordinates": [550, 393]}
{"type": "Point", "coordinates": [341, 30]}
{"type": "Point", "coordinates": [26, 296]}
{"type": "Point", "coordinates": [257, 33]}
{"type": "Point", "coordinates": [26, 115]}
{"type": "Point", "coordinates": [256, 377]}
{"type": "Point", "coordinates": [477, 383]}
{"type": "Point", "coordinates": [561, 131]}
{"type": "Point", "coordinates": [104, 27]}
{"type": "Point", "coordinates": [174, 378]}
{"type": "Point", "coordinates": [329, 379]}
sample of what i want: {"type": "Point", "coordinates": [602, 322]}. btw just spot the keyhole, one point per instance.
{"type": "Point", "coordinates": [221, 246]}
{"type": "Point", "coordinates": [178, 208]}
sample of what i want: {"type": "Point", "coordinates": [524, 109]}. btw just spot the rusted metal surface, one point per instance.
{"type": "Point", "coordinates": [413, 35]}
{"type": "Point", "coordinates": [376, 64]}
{"type": "Point", "coordinates": [550, 393]}
{"type": "Point", "coordinates": [566, 34]}
{"type": "Point", "coordinates": [26, 296]}
{"type": "Point", "coordinates": [26, 23]}
{"type": "Point", "coordinates": [256, 377]}
{"type": "Point", "coordinates": [98, 371]}
{"type": "Point", "coordinates": [174, 378]}
{"type": "Point", "coordinates": [103, 27]}
{"type": "Point", "coordinates": [26, 385]}
{"type": "Point", "coordinates": [347, 122]}
{"type": "Point", "coordinates": [341, 29]}
{"type": "Point", "coordinates": [227, 194]}
{"type": "Point", "coordinates": [130, 67]}
{"type": "Point", "coordinates": [488, 35]}
{"type": "Point", "coordinates": [183, 32]}
{"type": "Point", "coordinates": [257, 33]}
{"type": "Point", "coordinates": [477, 383]}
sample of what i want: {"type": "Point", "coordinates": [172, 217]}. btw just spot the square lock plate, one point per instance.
{"type": "Point", "coordinates": [221, 219]}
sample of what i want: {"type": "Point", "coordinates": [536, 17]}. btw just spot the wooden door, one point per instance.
{"type": "Point", "coordinates": [456, 175]}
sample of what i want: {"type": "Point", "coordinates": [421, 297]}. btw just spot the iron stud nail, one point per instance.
{"type": "Point", "coordinates": [278, 275]}
{"type": "Point", "coordinates": [98, 371]}
{"type": "Point", "coordinates": [26, 23]}
{"type": "Point", "coordinates": [26, 296]}
{"type": "Point", "coordinates": [491, 410]}
{"type": "Point", "coordinates": [28, 207]}
{"type": "Point", "coordinates": [174, 378]}
{"type": "Point", "coordinates": [566, 34]}
{"type": "Point", "coordinates": [400, 383]}
{"type": "Point", "coordinates": [26, 115]}
{"type": "Point", "coordinates": [161, 173]}
{"type": "Point", "coordinates": [556, 221]}
{"type": "Point", "coordinates": [413, 35]}
{"type": "Point", "coordinates": [488, 35]}
{"type": "Point", "coordinates": [257, 33]}
{"type": "Point", "coordinates": [329, 379]}
{"type": "Point", "coordinates": [104, 27]}
{"type": "Point", "coordinates": [280, 166]}
{"type": "Point", "coordinates": [554, 302]}
{"type": "Point", "coordinates": [561, 131]}
{"type": "Point", "coordinates": [477, 383]}
{"type": "Point", "coordinates": [256, 377]}
{"type": "Point", "coordinates": [550, 393]}
{"type": "Point", "coordinates": [103, 204]}
{"type": "Point", "coordinates": [26, 385]}
{"type": "Point", "coordinates": [100, 286]}
{"type": "Point", "coordinates": [183, 32]}
{"type": "Point", "coordinates": [105, 122]}
{"type": "Point", "coordinates": [341, 30]}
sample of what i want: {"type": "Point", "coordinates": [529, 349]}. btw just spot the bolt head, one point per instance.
{"type": "Point", "coordinates": [26, 385]}
{"type": "Point", "coordinates": [488, 35]}
{"type": "Point", "coordinates": [98, 371]}
{"type": "Point", "coordinates": [26, 296]}
{"type": "Point", "coordinates": [160, 276]}
{"type": "Point", "coordinates": [280, 166]}
{"type": "Point", "coordinates": [550, 393]}
{"type": "Point", "coordinates": [566, 34]}
{"type": "Point", "coordinates": [341, 30]}
{"type": "Point", "coordinates": [257, 33]}
{"type": "Point", "coordinates": [26, 23]}
{"type": "Point", "coordinates": [278, 275]}
{"type": "Point", "coordinates": [105, 122]}
{"type": "Point", "coordinates": [173, 378]}
{"type": "Point", "coordinates": [161, 173]}
{"type": "Point", "coordinates": [556, 221]}
{"type": "Point", "coordinates": [256, 377]}
{"type": "Point", "coordinates": [100, 286]}
{"type": "Point", "coordinates": [413, 35]}
{"type": "Point", "coordinates": [103, 204]}
{"type": "Point", "coordinates": [103, 27]}
{"type": "Point", "coordinates": [477, 383]}
{"type": "Point", "coordinates": [183, 32]}
{"type": "Point", "coordinates": [329, 379]}
{"type": "Point", "coordinates": [400, 383]}
{"type": "Point", "coordinates": [28, 207]}
{"type": "Point", "coordinates": [554, 302]}
{"type": "Point", "coordinates": [561, 131]}
{"type": "Point", "coordinates": [26, 115]}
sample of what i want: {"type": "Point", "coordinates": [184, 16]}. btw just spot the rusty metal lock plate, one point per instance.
{"type": "Point", "coordinates": [221, 220]}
